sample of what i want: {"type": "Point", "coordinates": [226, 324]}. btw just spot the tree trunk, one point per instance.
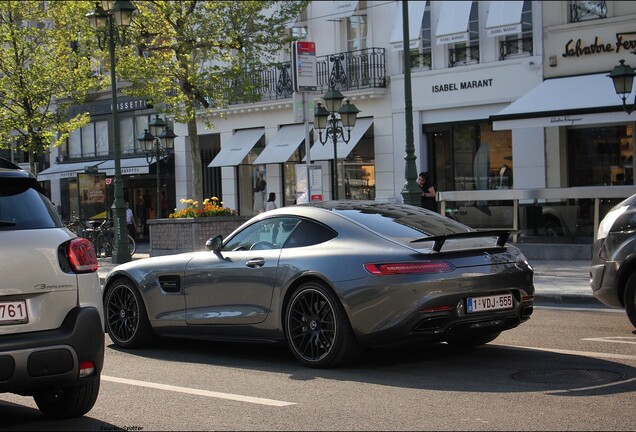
{"type": "Point", "coordinates": [195, 155]}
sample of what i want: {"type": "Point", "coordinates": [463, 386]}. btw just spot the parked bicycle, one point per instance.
{"type": "Point", "coordinates": [103, 238]}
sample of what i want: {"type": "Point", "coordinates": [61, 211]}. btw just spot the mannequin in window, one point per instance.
{"type": "Point", "coordinates": [505, 177]}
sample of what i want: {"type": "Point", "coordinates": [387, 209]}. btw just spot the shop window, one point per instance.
{"type": "Point", "coordinates": [251, 200]}
{"type": "Point", "coordinates": [465, 53]}
{"type": "Point", "coordinates": [520, 44]}
{"type": "Point", "coordinates": [600, 156]}
{"type": "Point", "coordinates": [470, 156]}
{"type": "Point", "coordinates": [587, 10]}
{"type": "Point", "coordinates": [359, 171]}
{"type": "Point", "coordinates": [422, 57]}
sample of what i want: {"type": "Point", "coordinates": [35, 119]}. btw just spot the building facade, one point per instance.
{"type": "Point", "coordinates": [506, 96]}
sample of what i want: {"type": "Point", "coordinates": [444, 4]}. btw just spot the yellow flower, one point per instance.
{"type": "Point", "coordinates": [182, 201]}
{"type": "Point", "coordinates": [190, 201]}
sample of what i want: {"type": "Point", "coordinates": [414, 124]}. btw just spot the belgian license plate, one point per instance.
{"type": "Point", "coordinates": [496, 302]}
{"type": "Point", "coordinates": [13, 312]}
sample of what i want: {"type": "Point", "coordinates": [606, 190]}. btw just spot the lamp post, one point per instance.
{"type": "Point", "coordinates": [325, 118]}
{"type": "Point", "coordinates": [623, 78]}
{"type": "Point", "coordinates": [108, 18]}
{"type": "Point", "coordinates": [155, 151]}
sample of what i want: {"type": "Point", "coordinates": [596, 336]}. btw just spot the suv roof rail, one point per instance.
{"type": "Point", "coordinates": [6, 164]}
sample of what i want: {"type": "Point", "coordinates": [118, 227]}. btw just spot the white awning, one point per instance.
{"type": "Point", "coordinates": [342, 9]}
{"type": "Point", "coordinates": [504, 17]}
{"type": "Point", "coordinates": [416, 13]}
{"type": "Point", "coordinates": [452, 25]}
{"type": "Point", "coordinates": [67, 170]}
{"type": "Point", "coordinates": [325, 152]}
{"type": "Point", "coordinates": [570, 101]}
{"type": "Point", "coordinates": [236, 148]}
{"type": "Point", "coordinates": [281, 147]}
{"type": "Point", "coordinates": [129, 166]}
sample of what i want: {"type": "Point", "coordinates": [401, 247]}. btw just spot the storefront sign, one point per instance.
{"type": "Point", "coordinates": [105, 107]}
{"type": "Point", "coordinates": [565, 120]}
{"type": "Point", "coordinates": [624, 42]}
{"type": "Point", "coordinates": [463, 85]}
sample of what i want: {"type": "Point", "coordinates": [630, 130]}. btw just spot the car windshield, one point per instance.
{"type": "Point", "coordinates": [399, 222]}
{"type": "Point", "coordinates": [22, 207]}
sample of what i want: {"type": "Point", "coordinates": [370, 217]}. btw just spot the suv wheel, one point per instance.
{"type": "Point", "coordinates": [630, 299]}
{"type": "Point", "coordinates": [68, 402]}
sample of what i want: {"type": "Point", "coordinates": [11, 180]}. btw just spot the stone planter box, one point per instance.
{"type": "Point", "coordinates": [172, 236]}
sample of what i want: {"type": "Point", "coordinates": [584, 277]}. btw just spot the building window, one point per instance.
{"type": "Point", "coordinates": [520, 44]}
{"type": "Point", "coordinates": [465, 53]}
{"type": "Point", "coordinates": [600, 156]}
{"type": "Point", "coordinates": [89, 141]}
{"type": "Point", "coordinates": [587, 10]}
{"type": "Point", "coordinates": [356, 32]}
{"type": "Point", "coordinates": [421, 57]}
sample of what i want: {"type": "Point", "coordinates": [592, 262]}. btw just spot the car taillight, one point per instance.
{"type": "Point", "coordinates": [81, 255]}
{"type": "Point", "coordinates": [87, 368]}
{"type": "Point", "coordinates": [408, 268]}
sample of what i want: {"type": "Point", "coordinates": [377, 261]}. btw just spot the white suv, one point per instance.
{"type": "Point", "coordinates": [51, 313]}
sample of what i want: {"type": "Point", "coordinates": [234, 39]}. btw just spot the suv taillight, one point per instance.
{"type": "Point", "coordinates": [81, 255]}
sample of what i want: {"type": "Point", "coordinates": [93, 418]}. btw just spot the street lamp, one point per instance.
{"type": "Point", "coordinates": [109, 19]}
{"type": "Point", "coordinates": [325, 118]}
{"type": "Point", "coordinates": [623, 78]}
{"type": "Point", "coordinates": [155, 151]}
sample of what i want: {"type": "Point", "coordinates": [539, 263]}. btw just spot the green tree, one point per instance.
{"type": "Point", "coordinates": [41, 73]}
{"type": "Point", "coordinates": [187, 53]}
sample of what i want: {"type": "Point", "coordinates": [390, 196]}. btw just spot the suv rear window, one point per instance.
{"type": "Point", "coordinates": [23, 207]}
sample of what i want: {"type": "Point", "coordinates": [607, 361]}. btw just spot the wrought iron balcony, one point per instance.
{"type": "Point", "coordinates": [351, 70]}
{"type": "Point", "coordinates": [514, 47]}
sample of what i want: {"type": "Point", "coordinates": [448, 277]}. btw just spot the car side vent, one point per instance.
{"type": "Point", "coordinates": [170, 283]}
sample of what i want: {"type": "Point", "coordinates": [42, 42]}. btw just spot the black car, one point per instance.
{"type": "Point", "coordinates": [613, 269]}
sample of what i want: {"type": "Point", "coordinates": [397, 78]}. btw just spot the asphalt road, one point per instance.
{"type": "Point", "coordinates": [563, 370]}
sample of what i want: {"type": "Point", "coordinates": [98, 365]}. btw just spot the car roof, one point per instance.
{"type": "Point", "coordinates": [10, 170]}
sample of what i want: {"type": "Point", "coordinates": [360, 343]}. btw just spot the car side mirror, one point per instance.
{"type": "Point", "coordinates": [214, 243]}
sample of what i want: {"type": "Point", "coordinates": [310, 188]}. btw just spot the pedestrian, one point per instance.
{"type": "Point", "coordinates": [271, 202]}
{"type": "Point", "coordinates": [130, 222]}
{"type": "Point", "coordinates": [428, 191]}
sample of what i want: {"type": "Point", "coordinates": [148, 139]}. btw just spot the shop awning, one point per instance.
{"type": "Point", "coordinates": [67, 170]}
{"type": "Point", "coordinates": [283, 145]}
{"type": "Point", "coordinates": [452, 25]}
{"type": "Point", "coordinates": [570, 101]}
{"type": "Point", "coordinates": [236, 148]}
{"type": "Point", "coordinates": [416, 13]}
{"type": "Point", "coordinates": [129, 166]}
{"type": "Point", "coordinates": [325, 152]}
{"type": "Point", "coordinates": [504, 17]}
{"type": "Point", "coordinates": [342, 9]}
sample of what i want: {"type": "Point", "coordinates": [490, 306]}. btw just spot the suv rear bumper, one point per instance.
{"type": "Point", "coordinates": [32, 361]}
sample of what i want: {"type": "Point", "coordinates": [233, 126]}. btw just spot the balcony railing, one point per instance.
{"type": "Point", "coordinates": [349, 70]}
{"type": "Point", "coordinates": [587, 10]}
{"type": "Point", "coordinates": [463, 56]}
{"type": "Point", "coordinates": [515, 47]}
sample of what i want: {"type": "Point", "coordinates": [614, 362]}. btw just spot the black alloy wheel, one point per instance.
{"type": "Point", "coordinates": [126, 319]}
{"type": "Point", "coordinates": [317, 328]}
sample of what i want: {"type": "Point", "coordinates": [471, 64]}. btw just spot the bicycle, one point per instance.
{"type": "Point", "coordinates": [103, 238]}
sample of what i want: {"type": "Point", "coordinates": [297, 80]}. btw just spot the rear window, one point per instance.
{"type": "Point", "coordinates": [402, 223]}
{"type": "Point", "coordinates": [23, 207]}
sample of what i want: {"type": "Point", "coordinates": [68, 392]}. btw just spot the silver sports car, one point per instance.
{"type": "Point", "coordinates": [329, 279]}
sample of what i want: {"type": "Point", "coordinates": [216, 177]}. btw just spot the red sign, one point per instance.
{"type": "Point", "coordinates": [108, 180]}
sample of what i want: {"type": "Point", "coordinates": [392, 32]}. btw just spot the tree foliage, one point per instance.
{"type": "Point", "coordinates": [188, 53]}
{"type": "Point", "coordinates": [41, 73]}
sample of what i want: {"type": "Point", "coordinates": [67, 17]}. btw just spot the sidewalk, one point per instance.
{"type": "Point", "coordinates": [556, 282]}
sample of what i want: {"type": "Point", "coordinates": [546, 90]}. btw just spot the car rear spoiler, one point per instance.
{"type": "Point", "coordinates": [502, 237]}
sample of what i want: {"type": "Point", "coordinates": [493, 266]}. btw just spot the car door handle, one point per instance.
{"type": "Point", "coordinates": [255, 262]}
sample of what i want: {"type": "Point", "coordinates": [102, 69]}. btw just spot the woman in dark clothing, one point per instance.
{"type": "Point", "coordinates": [428, 191]}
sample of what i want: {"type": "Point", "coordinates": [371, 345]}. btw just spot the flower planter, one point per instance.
{"type": "Point", "coordinates": [172, 236]}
